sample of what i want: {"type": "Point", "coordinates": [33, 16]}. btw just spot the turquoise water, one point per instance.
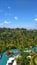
{"type": "Point", "coordinates": [34, 48]}
{"type": "Point", "coordinates": [4, 58]}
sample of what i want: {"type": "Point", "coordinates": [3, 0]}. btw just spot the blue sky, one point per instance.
{"type": "Point", "coordinates": [18, 13]}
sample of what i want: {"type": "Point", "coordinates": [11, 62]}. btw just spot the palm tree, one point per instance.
{"type": "Point", "coordinates": [24, 59]}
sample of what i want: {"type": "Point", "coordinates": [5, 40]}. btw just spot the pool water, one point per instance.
{"type": "Point", "coordinates": [4, 58]}
{"type": "Point", "coordinates": [34, 48]}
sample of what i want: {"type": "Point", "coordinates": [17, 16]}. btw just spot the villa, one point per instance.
{"type": "Point", "coordinates": [27, 50]}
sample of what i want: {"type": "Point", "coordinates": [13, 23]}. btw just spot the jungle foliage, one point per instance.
{"type": "Point", "coordinates": [17, 38]}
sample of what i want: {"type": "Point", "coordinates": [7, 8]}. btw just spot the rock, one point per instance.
{"type": "Point", "coordinates": [0, 56]}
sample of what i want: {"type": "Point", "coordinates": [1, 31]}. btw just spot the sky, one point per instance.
{"type": "Point", "coordinates": [18, 14]}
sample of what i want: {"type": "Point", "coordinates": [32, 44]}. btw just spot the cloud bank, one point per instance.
{"type": "Point", "coordinates": [6, 22]}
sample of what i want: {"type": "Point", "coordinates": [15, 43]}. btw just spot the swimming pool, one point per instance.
{"type": "Point", "coordinates": [4, 58]}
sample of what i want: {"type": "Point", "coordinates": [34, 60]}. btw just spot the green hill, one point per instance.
{"type": "Point", "coordinates": [17, 38]}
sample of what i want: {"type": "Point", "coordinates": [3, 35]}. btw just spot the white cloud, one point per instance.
{"type": "Point", "coordinates": [16, 18]}
{"type": "Point", "coordinates": [35, 19]}
{"type": "Point", "coordinates": [9, 7]}
{"type": "Point", "coordinates": [7, 22]}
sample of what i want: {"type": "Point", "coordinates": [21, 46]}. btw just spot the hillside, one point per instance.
{"type": "Point", "coordinates": [17, 38]}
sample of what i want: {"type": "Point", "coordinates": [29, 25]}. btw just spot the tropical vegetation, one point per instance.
{"type": "Point", "coordinates": [17, 38]}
